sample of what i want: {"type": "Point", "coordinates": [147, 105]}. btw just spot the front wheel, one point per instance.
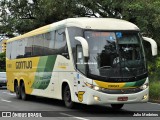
{"type": "Point", "coordinates": [67, 97]}
{"type": "Point", "coordinates": [117, 106]}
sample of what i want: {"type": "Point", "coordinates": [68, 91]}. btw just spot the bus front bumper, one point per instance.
{"type": "Point", "coordinates": [100, 98]}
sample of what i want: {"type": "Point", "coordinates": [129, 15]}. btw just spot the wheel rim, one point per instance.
{"type": "Point", "coordinates": [17, 90]}
{"type": "Point", "coordinates": [23, 94]}
{"type": "Point", "coordinates": [67, 96]}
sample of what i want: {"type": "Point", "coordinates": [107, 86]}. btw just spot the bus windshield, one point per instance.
{"type": "Point", "coordinates": [115, 54]}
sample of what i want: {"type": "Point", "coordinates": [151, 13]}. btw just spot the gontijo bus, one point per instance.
{"type": "Point", "coordinates": [80, 60]}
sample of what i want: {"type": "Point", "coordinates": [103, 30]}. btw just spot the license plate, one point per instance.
{"type": "Point", "coordinates": [122, 98]}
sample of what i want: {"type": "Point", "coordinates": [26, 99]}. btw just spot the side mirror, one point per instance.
{"type": "Point", "coordinates": [153, 45]}
{"type": "Point", "coordinates": [84, 44]}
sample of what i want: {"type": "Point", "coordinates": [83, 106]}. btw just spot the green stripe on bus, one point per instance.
{"type": "Point", "coordinates": [135, 84]}
{"type": "Point", "coordinates": [44, 72]}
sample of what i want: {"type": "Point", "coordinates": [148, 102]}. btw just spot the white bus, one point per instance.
{"type": "Point", "coordinates": [93, 61]}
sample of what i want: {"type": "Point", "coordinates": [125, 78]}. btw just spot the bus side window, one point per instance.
{"type": "Point", "coordinates": [61, 43]}
{"type": "Point", "coordinates": [21, 48]}
{"type": "Point", "coordinates": [49, 43]}
{"type": "Point", "coordinates": [28, 47]}
{"type": "Point", "coordinates": [14, 49]}
{"type": "Point", "coordinates": [38, 43]}
{"type": "Point", "coordinates": [9, 49]}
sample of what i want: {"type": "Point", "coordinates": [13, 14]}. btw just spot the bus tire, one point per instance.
{"type": "Point", "coordinates": [17, 90]}
{"type": "Point", "coordinates": [117, 106]}
{"type": "Point", "coordinates": [67, 97]}
{"type": "Point", "coordinates": [24, 96]}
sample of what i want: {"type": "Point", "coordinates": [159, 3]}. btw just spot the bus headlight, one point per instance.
{"type": "Point", "coordinates": [144, 86]}
{"type": "Point", "coordinates": [94, 87]}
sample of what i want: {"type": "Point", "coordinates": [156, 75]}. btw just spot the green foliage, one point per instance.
{"type": "Point", "coordinates": [145, 14]}
{"type": "Point", "coordinates": [2, 62]}
{"type": "Point", "coordinates": [154, 90]}
{"type": "Point", "coordinates": [154, 69]}
{"type": "Point", "coordinates": [154, 77]}
{"type": "Point", "coordinates": [25, 16]}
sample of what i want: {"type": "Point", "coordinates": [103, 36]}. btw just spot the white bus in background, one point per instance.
{"type": "Point", "coordinates": [93, 61]}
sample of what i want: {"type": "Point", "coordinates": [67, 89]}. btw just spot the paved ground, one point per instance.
{"type": "Point", "coordinates": [56, 109]}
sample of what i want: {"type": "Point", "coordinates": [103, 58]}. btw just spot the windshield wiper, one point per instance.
{"type": "Point", "coordinates": [107, 67]}
{"type": "Point", "coordinates": [127, 69]}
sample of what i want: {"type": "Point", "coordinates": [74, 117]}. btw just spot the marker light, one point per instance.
{"type": "Point", "coordinates": [94, 87]}
{"type": "Point", "coordinates": [89, 85]}
{"type": "Point", "coordinates": [144, 86]}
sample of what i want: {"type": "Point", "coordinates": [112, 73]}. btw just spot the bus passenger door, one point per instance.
{"type": "Point", "coordinates": [80, 75]}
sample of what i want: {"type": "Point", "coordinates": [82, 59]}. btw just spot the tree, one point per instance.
{"type": "Point", "coordinates": [22, 16]}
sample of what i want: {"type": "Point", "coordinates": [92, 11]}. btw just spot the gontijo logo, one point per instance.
{"type": "Point", "coordinates": [24, 65]}
{"type": "Point", "coordinates": [113, 86]}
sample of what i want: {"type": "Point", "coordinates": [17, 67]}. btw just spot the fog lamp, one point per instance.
{"type": "Point", "coordinates": [96, 98]}
{"type": "Point", "coordinates": [145, 97]}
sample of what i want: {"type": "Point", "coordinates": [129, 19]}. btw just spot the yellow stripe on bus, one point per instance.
{"type": "Point", "coordinates": [109, 85]}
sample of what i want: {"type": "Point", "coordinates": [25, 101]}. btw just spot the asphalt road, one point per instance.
{"type": "Point", "coordinates": [56, 109]}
